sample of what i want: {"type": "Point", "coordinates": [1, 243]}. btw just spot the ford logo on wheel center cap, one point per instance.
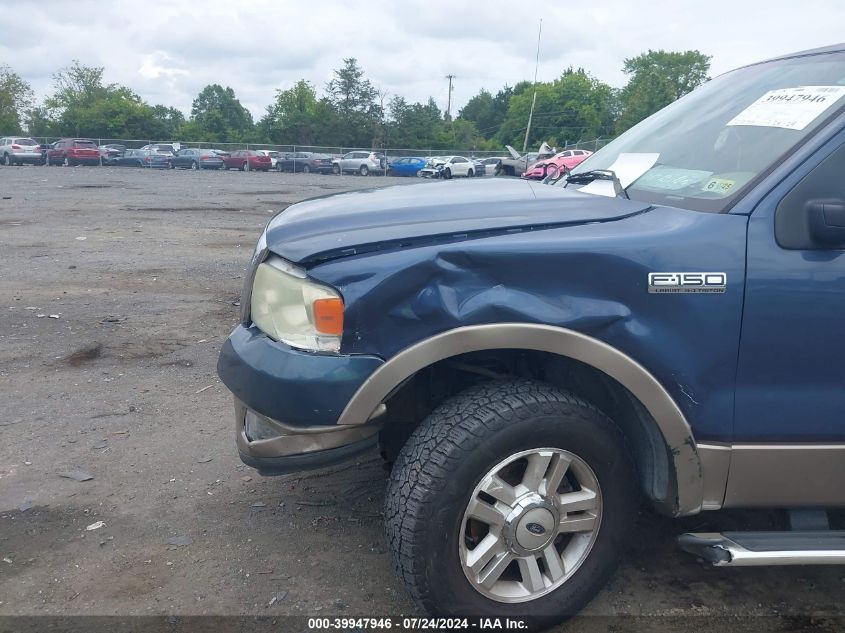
{"type": "Point", "coordinates": [535, 528]}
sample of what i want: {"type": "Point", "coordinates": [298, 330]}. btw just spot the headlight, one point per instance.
{"type": "Point", "coordinates": [290, 308]}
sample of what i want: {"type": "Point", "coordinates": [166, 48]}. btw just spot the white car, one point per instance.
{"type": "Point", "coordinates": [274, 155]}
{"type": "Point", "coordinates": [166, 149]}
{"type": "Point", "coordinates": [448, 167]}
{"type": "Point", "coordinates": [17, 150]}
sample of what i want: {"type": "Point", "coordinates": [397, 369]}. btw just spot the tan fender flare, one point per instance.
{"type": "Point", "coordinates": [637, 379]}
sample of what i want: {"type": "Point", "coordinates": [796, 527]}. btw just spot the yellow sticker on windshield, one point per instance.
{"type": "Point", "coordinates": [718, 185]}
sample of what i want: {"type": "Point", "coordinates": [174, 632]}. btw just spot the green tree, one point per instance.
{"type": "Point", "coordinates": [486, 111]}
{"type": "Point", "coordinates": [656, 79]}
{"type": "Point", "coordinates": [16, 97]}
{"type": "Point", "coordinates": [353, 99]}
{"type": "Point", "coordinates": [168, 122]}
{"type": "Point", "coordinates": [413, 125]}
{"type": "Point", "coordinates": [39, 122]}
{"type": "Point", "coordinates": [293, 117]}
{"type": "Point", "coordinates": [217, 115]}
{"type": "Point", "coordinates": [82, 105]}
{"type": "Point", "coordinates": [572, 107]}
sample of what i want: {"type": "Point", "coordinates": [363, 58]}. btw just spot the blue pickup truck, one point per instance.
{"type": "Point", "coordinates": [665, 323]}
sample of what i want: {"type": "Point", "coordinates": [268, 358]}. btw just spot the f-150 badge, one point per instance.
{"type": "Point", "coordinates": [675, 283]}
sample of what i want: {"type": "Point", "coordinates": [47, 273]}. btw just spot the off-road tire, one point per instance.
{"type": "Point", "coordinates": [445, 458]}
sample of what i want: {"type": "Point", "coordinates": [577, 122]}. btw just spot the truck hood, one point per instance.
{"type": "Point", "coordinates": [404, 216]}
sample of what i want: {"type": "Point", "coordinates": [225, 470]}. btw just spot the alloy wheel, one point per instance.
{"type": "Point", "coordinates": [530, 524]}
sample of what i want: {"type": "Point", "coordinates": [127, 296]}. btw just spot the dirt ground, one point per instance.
{"type": "Point", "coordinates": [118, 288]}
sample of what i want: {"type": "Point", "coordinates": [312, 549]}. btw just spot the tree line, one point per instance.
{"type": "Point", "coordinates": [351, 112]}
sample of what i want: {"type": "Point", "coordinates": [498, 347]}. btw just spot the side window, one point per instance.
{"type": "Point", "coordinates": [812, 215]}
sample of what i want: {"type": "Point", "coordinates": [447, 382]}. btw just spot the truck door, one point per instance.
{"type": "Point", "coordinates": [789, 433]}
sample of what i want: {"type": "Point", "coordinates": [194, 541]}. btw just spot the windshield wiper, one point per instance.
{"type": "Point", "coordinates": [587, 177]}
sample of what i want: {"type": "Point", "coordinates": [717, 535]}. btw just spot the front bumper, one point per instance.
{"type": "Point", "coordinates": [299, 395]}
{"type": "Point", "coordinates": [299, 448]}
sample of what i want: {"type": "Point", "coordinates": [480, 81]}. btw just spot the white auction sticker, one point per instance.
{"type": "Point", "coordinates": [790, 108]}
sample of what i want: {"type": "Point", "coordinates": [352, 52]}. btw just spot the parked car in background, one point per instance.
{"type": "Point", "coordinates": [479, 167]}
{"type": "Point", "coordinates": [406, 166]}
{"type": "Point", "coordinates": [74, 151]}
{"type": "Point", "coordinates": [168, 149]}
{"type": "Point", "coordinates": [360, 162]}
{"type": "Point", "coordinates": [447, 167]}
{"type": "Point", "coordinates": [195, 158]}
{"type": "Point", "coordinates": [110, 151]}
{"type": "Point", "coordinates": [516, 164]}
{"type": "Point", "coordinates": [492, 165]}
{"type": "Point", "coordinates": [44, 149]}
{"type": "Point", "coordinates": [305, 162]}
{"type": "Point", "coordinates": [292, 161]}
{"type": "Point", "coordinates": [273, 154]}
{"type": "Point", "coordinates": [566, 160]}
{"type": "Point", "coordinates": [247, 160]}
{"type": "Point", "coordinates": [142, 158]}
{"type": "Point", "coordinates": [17, 150]}
{"type": "Point", "coordinates": [432, 168]}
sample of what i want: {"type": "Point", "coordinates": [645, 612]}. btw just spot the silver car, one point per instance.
{"type": "Point", "coordinates": [360, 162]}
{"type": "Point", "coordinates": [17, 150]}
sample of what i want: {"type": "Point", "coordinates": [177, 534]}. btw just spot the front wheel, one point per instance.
{"type": "Point", "coordinates": [7, 161]}
{"type": "Point", "coordinates": [66, 162]}
{"type": "Point", "coordinates": [306, 169]}
{"type": "Point", "coordinates": [512, 499]}
{"type": "Point", "coordinates": [470, 173]}
{"type": "Point", "coordinates": [447, 174]}
{"type": "Point", "coordinates": [336, 170]}
{"type": "Point", "coordinates": [245, 167]}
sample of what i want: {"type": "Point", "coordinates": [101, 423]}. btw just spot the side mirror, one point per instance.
{"type": "Point", "coordinates": [826, 221]}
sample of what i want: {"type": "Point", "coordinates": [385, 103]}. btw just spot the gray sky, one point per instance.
{"type": "Point", "coordinates": [167, 51]}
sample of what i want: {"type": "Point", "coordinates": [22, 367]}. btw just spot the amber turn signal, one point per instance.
{"type": "Point", "coordinates": [328, 316]}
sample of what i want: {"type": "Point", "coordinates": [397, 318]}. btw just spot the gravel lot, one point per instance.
{"type": "Point", "coordinates": [143, 271]}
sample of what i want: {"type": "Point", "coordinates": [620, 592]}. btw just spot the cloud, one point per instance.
{"type": "Point", "coordinates": [168, 51]}
{"type": "Point", "coordinates": [153, 67]}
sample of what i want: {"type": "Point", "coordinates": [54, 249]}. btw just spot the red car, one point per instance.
{"type": "Point", "coordinates": [73, 151]}
{"type": "Point", "coordinates": [247, 160]}
{"type": "Point", "coordinates": [569, 159]}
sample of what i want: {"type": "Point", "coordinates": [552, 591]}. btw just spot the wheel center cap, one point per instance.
{"type": "Point", "coordinates": [531, 526]}
{"type": "Point", "coordinates": [535, 529]}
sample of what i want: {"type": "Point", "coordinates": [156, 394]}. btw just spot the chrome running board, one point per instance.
{"type": "Point", "coordinates": [752, 549]}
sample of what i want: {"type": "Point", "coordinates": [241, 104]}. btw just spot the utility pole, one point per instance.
{"type": "Point", "coordinates": [449, 102]}
{"type": "Point", "coordinates": [534, 101]}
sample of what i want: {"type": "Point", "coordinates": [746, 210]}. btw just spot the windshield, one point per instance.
{"type": "Point", "coordinates": [712, 144]}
